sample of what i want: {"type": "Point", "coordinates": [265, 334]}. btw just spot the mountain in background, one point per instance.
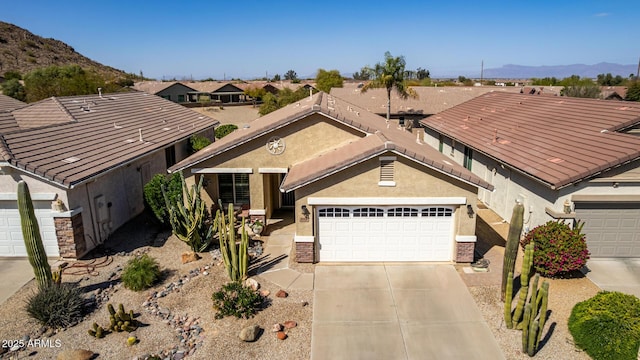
{"type": "Point", "coordinates": [511, 71]}
{"type": "Point", "coordinates": [22, 51]}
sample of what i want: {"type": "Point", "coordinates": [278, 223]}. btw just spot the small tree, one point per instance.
{"type": "Point", "coordinates": [291, 75]}
{"type": "Point", "coordinates": [197, 143]}
{"type": "Point", "coordinates": [325, 80]}
{"type": "Point", "coordinates": [633, 91]}
{"type": "Point", "coordinates": [14, 89]}
{"type": "Point", "coordinates": [256, 93]}
{"type": "Point", "coordinates": [364, 74]}
{"type": "Point", "coordinates": [224, 130]}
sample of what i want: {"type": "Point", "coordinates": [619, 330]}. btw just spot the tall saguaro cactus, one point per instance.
{"type": "Point", "coordinates": [32, 238]}
{"type": "Point", "coordinates": [511, 248]}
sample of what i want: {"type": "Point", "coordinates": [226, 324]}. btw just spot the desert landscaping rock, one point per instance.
{"type": "Point", "coordinates": [190, 256]}
{"type": "Point", "coordinates": [282, 294]}
{"type": "Point", "coordinates": [78, 354]}
{"type": "Point", "coordinates": [290, 324]}
{"type": "Point", "coordinates": [249, 333]}
{"type": "Point", "coordinates": [252, 283]}
{"type": "Point", "coordinates": [276, 327]}
{"type": "Point", "coordinates": [281, 335]}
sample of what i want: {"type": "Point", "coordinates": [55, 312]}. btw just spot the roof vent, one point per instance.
{"type": "Point", "coordinates": [70, 160]}
{"type": "Point", "coordinates": [140, 133]}
{"type": "Point", "coordinates": [100, 92]}
{"type": "Point", "coordinates": [116, 126]}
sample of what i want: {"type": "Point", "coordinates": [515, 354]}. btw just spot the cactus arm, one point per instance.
{"type": "Point", "coordinates": [524, 282]}
{"type": "Point", "coordinates": [531, 342]}
{"type": "Point", "coordinates": [544, 294]}
{"type": "Point", "coordinates": [32, 238]}
{"type": "Point", "coordinates": [525, 328]}
{"type": "Point", "coordinates": [511, 247]}
{"type": "Point", "coordinates": [507, 301]}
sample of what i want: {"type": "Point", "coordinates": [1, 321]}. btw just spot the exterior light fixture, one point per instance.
{"type": "Point", "coordinates": [567, 207]}
{"type": "Point", "coordinates": [305, 212]}
{"type": "Point", "coordinates": [470, 210]}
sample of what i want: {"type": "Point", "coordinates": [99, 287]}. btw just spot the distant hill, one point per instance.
{"type": "Point", "coordinates": [511, 71]}
{"type": "Point", "coordinates": [22, 51]}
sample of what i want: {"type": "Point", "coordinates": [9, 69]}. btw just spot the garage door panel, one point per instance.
{"type": "Point", "coordinates": [612, 229]}
{"type": "Point", "coordinates": [374, 235]}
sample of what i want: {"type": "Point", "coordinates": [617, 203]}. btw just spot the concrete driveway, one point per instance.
{"type": "Point", "coordinates": [621, 275]}
{"type": "Point", "coordinates": [403, 311]}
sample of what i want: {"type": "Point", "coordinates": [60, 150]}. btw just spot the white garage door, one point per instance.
{"type": "Point", "coordinates": [612, 229]}
{"type": "Point", "coordinates": [11, 241]}
{"type": "Point", "coordinates": [388, 233]}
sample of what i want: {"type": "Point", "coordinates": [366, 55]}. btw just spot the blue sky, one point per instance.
{"type": "Point", "coordinates": [248, 39]}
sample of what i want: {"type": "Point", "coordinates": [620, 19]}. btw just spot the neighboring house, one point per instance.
{"type": "Point", "coordinates": [171, 90]}
{"type": "Point", "coordinates": [8, 103]}
{"type": "Point", "coordinates": [360, 191]}
{"type": "Point", "coordinates": [86, 160]}
{"type": "Point", "coordinates": [220, 92]}
{"type": "Point", "coordinates": [562, 157]}
{"type": "Point", "coordinates": [430, 100]}
{"type": "Point", "coordinates": [613, 92]}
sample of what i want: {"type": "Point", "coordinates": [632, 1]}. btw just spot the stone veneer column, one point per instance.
{"type": "Point", "coordinates": [305, 249]}
{"type": "Point", "coordinates": [465, 248]}
{"type": "Point", "coordinates": [70, 234]}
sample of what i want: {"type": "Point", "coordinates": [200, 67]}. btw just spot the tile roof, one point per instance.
{"type": "Point", "coordinates": [69, 140]}
{"type": "Point", "coordinates": [153, 87]}
{"type": "Point", "coordinates": [431, 100]}
{"type": "Point", "coordinates": [556, 140]}
{"type": "Point", "coordinates": [9, 103]}
{"type": "Point", "coordinates": [378, 138]}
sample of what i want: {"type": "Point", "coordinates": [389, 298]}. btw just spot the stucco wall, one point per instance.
{"type": "Point", "coordinates": [304, 139]}
{"type": "Point", "coordinates": [412, 180]}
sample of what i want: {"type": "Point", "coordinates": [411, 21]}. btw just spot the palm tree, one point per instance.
{"type": "Point", "coordinates": [389, 75]}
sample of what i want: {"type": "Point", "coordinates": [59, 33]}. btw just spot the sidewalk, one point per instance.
{"type": "Point", "coordinates": [274, 265]}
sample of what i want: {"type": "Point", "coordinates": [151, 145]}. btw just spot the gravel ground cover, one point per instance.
{"type": "Point", "coordinates": [177, 314]}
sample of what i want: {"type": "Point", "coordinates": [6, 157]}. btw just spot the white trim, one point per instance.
{"type": "Point", "coordinates": [222, 171]}
{"type": "Point", "coordinates": [67, 214]}
{"type": "Point", "coordinates": [387, 201]}
{"type": "Point", "coordinates": [388, 158]}
{"type": "Point", "coordinates": [386, 183]}
{"type": "Point", "coordinates": [35, 197]}
{"type": "Point", "coordinates": [303, 239]}
{"type": "Point", "coordinates": [257, 212]}
{"type": "Point", "coordinates": [466, 238]}
{"type": "Point", "coordinates": [273, 170]}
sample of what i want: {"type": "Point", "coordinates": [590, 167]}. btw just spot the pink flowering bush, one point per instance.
{"type": "Point", "coordinates": [558, 249]}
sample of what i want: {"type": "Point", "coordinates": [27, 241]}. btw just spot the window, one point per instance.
{"type": "Point", "coordinates": [453, 147]}
{"type": "Point", "coordinates": [440, 142]}
{"type": "Point", "coordinates": [180, 98]}
{"type": "Point", "coordinates": [170, 155]}
{"type": "Point", "coordinates": [233, 188]}
{"type": "Point", "coordinates": [468, 157]}
{"type": "Point", "coordinates": [437, 211]}
{"type": "Point", "coordinates": [168, 97]}
{"type": "Point", "coordinates": [368, 212]}
{"type": "Point", "coordinates": [396, 212]}
{"type": "Point", "coordinates": [387, 171]}
{"type": "Point", "coordinates": [333, 212]}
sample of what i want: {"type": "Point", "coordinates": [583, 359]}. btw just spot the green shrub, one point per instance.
{"type": "Point", "coordinates": [57, 306]}
{"type": "Point", "coordinates": [154, 198]}
{"type": "Point", "coordinates": [607, 326]}
{"type": "Point", "coordinates": [236, 300]}
{"type": "Point", "coordinates": [224, 130]}
{"type": "Point", "coordinates": [140, 273]}
{"type": "Point", "coordinates": [558, 248]}
{"type": "Point", "coordinates": [197, 143]}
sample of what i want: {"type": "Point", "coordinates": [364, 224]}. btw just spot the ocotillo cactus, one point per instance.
{"type": "Point", "coordinates": [511, 247]}
{"type": "Point", "coordinates": [524, 282]}
{"type": "Point", "coordinates": [236, 258]}
{"type": "Point", "coordinates": [32, 238]}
